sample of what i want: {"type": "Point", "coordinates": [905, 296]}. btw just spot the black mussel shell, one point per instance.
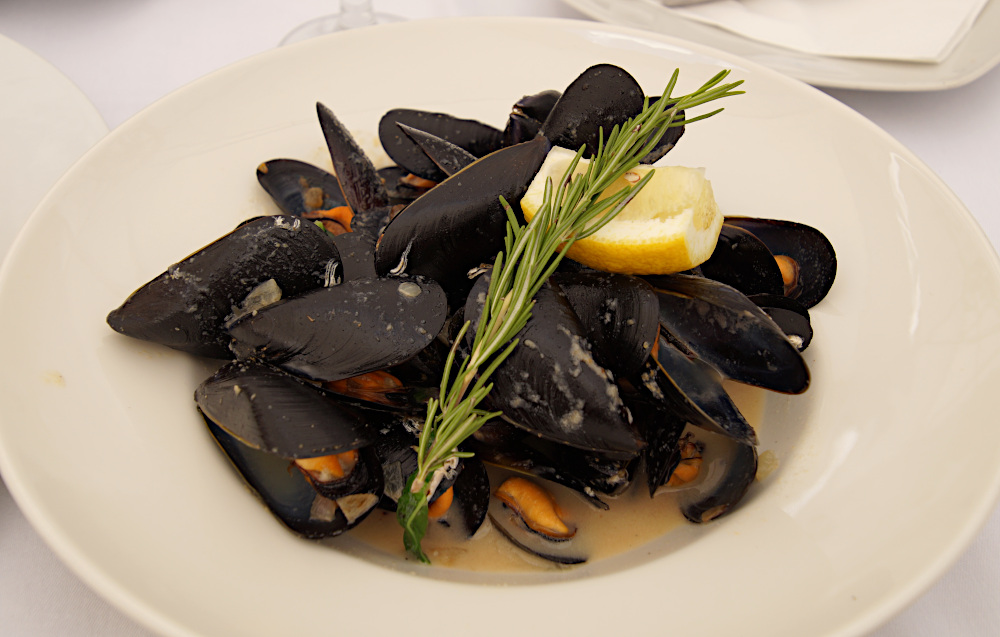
{"type": "Point", "coordinates": [476, 137]}
{"type": "Point", "coordinates": [357, 256]}
{"type": "Point", "coordinates": [291, 497]}
{"type": "Point", "coordinates": [660, 423]}
{"type": "Point", "coordinates": [550, 384]}
{"type": "Point", "coordinates": [363, 189]}
{"type": "Point", "coordinates": [449, 157]}
{"type": "Point", "coordinates": [790, 315]}
{"type": "Point", "coordinates": [527, 115]}
{"type": "Point", "coordinates": [460, 224]}
{"type": "Point", "coordinates": [501, 444]}
{"type": "Point", "coordinates": [600, 98]}
{"type": "Point", "coordinates": [186, 307]}
{"type": "Point", "coordinates": [742, 261]}
{"type": "Point", "coordinates": [811, 253]}
{"type": "Point", "coordinates": [298, 187]}
{"type": "Point", "coordinates": [694, 389]}
{"type": "Point", "coordinates": [669, 138]}
{"type": "Point", "coordinates": [728, 469]}
{"type": "Point", "coordinates": [620, 314]}
{"type": "Point", "coordinates": [471, 497]}
{"type": "Point", "coordinates": [357, 327]}
{"type": "Point", "coordinates": [269, 409]}
{"type": "Point", "coordinates": [728, 331]}
{"type": "Point", "coordinates": [396, 450]}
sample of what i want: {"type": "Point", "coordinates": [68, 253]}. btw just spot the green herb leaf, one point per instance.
{"type": "Point", "coordinates": [411, 512]}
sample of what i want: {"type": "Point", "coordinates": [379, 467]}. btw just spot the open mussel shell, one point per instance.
{"type": "Point", "coordinates": [461, 223]}
{"type": "Point", "coordinates": [601, 97]}
{"type": "Point", "coordinates": [550, 384]}
{"type": "Point", "coordinates": [742, 261]}
{"type": "Point", "coordinates": [661, 422]}
{"type": "Point", "coordinates": [269, 409]}
{"type": "Point", "coordinates": [449, 157]}
{"type": "Point", "coordinates": [518, 518]}
{"type": "Point", "coordinates": [728, 331]}
{"type": "Point", "coordinates": [360, 183]}
{"type": "Point", "coordinates": [589, 473]}
{"type": "Point", "coordinates": [620, 314]}
{"type": "Point", "coordinates": [291, 497]}
{"type": "Point", "coordinates": [476, 137]}
{"type": "Point", "coordinates": [186, 307]}
{"type": "Point", "coordinates": [527, 115]}
{"type": "Point", "coordinates": [346, 330]}
{"type": "Point", "coordinates": [298, 188]}
{"type": "Point", "coordinates": [728, 468]}
{"type": "Point", "coordinates": [808, 256]}
{"type": "Point", "coordinates": [694, 388]}
{"type": "Point", "coordinates": [790, 315]}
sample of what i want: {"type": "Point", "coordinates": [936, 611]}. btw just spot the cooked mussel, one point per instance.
{"type": "Point", "coordinates": [805, 256]}
{"type": "Point", "coordinates": [186, 307]}
{"type": "Point", "coordinates": [529, 516]}
{"type": "Point", "coordinates": [742, 261]}
{"type": "Point", "coordinates": [726, 468]}
{"type": "Point", "coordinates": [290, 496]}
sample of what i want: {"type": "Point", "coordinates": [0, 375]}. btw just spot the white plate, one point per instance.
{"type": "Point", "coordinates": [46, 123]}
{"type": "Point", "coordinates": [887, 469]}
{"type": "Point", "coordinates": [976, 54]}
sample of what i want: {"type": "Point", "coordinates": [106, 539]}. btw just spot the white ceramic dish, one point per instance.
{"type": "Point", "coordinates": [46, 123]}
{"type": "Point", "coordinates": [102, 449]}
{"type": "Point", "coordinates": [978, 52]}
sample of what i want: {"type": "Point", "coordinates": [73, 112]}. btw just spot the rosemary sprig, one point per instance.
{"type": "Point", "coordinates": [570, 211]}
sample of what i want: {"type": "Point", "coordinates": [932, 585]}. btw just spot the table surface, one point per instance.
{"type": "Point", "coordinates": [124, 55]}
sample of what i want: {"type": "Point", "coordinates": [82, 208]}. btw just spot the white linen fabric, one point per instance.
{"type": "Point", "coordinates": [902, 30]}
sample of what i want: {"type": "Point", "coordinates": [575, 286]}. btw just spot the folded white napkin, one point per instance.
{"type": "Point", "coordinates": [905, 30]}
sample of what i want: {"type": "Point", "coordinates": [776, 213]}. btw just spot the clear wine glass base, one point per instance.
{"type": "Point", "coordinates": [335, 22]}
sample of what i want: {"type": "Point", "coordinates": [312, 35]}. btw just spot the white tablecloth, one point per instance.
{"type": "Point", "coordinates": [125, 55]}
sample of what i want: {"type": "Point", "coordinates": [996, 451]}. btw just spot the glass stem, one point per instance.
{"type": "Point", "coordinates": [356, 13]}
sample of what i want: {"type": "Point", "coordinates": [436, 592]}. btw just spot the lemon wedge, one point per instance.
{"type": "Point", "coordinates": [672, 225]}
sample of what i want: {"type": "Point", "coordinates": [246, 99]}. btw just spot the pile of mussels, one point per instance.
{"type": "Point", "coordinates": [335, 317]}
